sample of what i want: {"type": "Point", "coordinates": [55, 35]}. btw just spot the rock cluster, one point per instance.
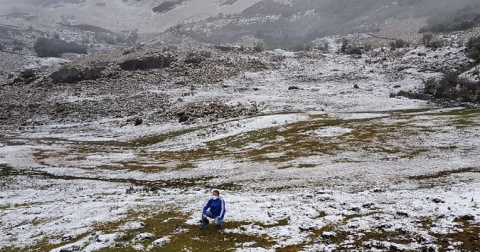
{"type": "Point", "coordinates": [70, 75]}
{"type": "Point", "coordinates": [212, 111]}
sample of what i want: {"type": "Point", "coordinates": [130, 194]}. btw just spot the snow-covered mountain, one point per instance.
{"type": "Point", "coordinates": [146, 16]}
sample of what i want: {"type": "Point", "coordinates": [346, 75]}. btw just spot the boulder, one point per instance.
{"type": "Point", "coordinates": [197, 57]}
{"type": "Point", "coordinates": [67, 75]}
{"type": "Point", "coordinates": [92, 73]}
{"type": "Point", "coordinates": [467, 217]}
{"type": "Point", "coordinates": [29, 73]}
{"type": "Point", "coordinates": [155, 62]}
{"type": "Point", "coordinates": [71, 75]}
{"type": "Point", "coordinates": [53, 47]}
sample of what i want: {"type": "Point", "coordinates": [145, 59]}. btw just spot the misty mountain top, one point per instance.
{"type": "Point", "coordinates": [304, 20]}
{"type": "Point", "coordinates": [102, 25]}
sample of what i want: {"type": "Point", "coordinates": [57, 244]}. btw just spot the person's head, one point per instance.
{"type": "Point", "coordinates": [215, 194]}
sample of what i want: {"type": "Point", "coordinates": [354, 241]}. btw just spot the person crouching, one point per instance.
{"type": "Point", "coordinates": [215, 209]}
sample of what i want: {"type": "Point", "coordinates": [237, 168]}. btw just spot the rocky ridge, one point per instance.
{"type": "Point", "coordinates": [135, 82]}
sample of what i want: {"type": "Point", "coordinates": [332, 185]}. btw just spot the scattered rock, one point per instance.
{"type": "Point", "coordinates": [384, 226]}
{"type": "Point", "coordinates": [107, 238]}
{"type": "Point", "coordinates": [354, 209]}
{"type": "Point", "coordinates": [29, 73]}
{"type": "Point", "coordinates": [356, 86]}
{"type": "Point", "coordinates": [437, 200]}
{"type": "Point", "coordinates": [293, 88]}
{"type": "Point", "coordinates": [71, 248]}
{"type": "Point", "coordinates": [182, 118]}
{"type": "Point", "coordinates": [144, 237]}
{"type": "Point", "coordinates": [353, 225]}
{"type": "Point", "coordinates": [368, 205]}
{"type": "Point", "coordinates": [329, 235]}
{"type": "Point", "coordinates": [394, 248]}
{"type": "Point", "coordinates": [66, 238]}
{"type": "Point", "coordinates": [307, 229]}
{"type": "Point", "coordinates": [404, 214]}
{"type": "Point", "coordinates": [159, 242]}
{"type": "Point", "coordinates": [212, 111]}
{"type": "Point", "coordinates": [255, 245]}
{"type": "Point", "coordinates": [136, 121]}
{"type": "Point", "coordinates": [26, 76]}
{"type": "Point", "coordinates": [429, 249]}
{"type": "Point", "coordinates": [133, 224]}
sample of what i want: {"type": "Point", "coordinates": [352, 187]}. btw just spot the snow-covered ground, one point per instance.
{"type": "Point", "coordinates": [324, 167]}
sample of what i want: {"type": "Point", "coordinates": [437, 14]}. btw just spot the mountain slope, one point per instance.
{"type": "Point", "coordinates": [113, 15]}
{"type": "Point", "coordinates": [304, 20]}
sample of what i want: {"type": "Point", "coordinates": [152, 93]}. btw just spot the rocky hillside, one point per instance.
{"type": "Point", "coordinates": [304, 20]}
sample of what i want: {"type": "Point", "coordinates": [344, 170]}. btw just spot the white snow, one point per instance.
{"type": "Point", "coordinates": [67, 180]}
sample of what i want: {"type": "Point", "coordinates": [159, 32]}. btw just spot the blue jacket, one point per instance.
{"type": "Point", "coordinates": [217, 207]}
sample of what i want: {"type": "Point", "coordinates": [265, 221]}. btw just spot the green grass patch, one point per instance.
{"type": "Point", "coordinates": [151, 140]}
{"type": "Point", "coordinates": [184, 237]}
{"type": "Point", "coordinates": [468, 236]}
{"type": "Point", "coordinates": [444, 173]}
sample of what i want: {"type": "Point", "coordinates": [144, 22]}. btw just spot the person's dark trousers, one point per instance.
{"type": "Point", "coordinates": [205, 221]}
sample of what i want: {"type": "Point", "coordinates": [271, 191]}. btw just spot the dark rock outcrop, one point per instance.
{"type": "Point", "coordinates": [70, 75]}
{"type": "Point", "coordinates": [155, 62]}
{"type": "Point", "coordinates": [167, 6]}
{"type": "Point", "coordinates": [467, 217]}
{"type": "Point", "coordinates": [53, 47]}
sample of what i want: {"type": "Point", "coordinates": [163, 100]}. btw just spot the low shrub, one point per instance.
{"type": "Point", "coordinates": [473, 48]}
{"type": "Point", "coordinates": [354, 50]}
{"type": "Point", "coordinates": [452, 86]}
{"type": "Point", "coordinates": [259, 47]}
{"type": "Point", "coordinates": [399, 43]}
{"type": "Point", "coordinates": [350, 49]}
{"type": "Point", "coordinates": [324, 46]}
{"type": "Point", "coordinates": [426, 39]}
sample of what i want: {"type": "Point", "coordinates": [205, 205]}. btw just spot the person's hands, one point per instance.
{"type": "Point", "coordinates": [205, 216]}
{"type": "Point", "coordinates": [216, 219]}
